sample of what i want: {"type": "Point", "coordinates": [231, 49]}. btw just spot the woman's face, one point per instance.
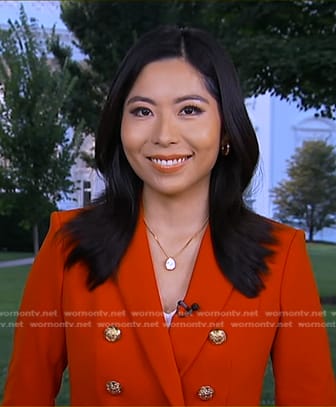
{"type": "Point", "coordinates": [171, 128]}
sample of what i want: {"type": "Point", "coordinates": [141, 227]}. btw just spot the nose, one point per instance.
{"type": "Point", "coordinates": [166, 131]}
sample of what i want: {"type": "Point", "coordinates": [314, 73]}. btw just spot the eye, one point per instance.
{"type": "Point", "coordinates": [141, 112]}
{"type": "Point", "coordinates": [191, 110]}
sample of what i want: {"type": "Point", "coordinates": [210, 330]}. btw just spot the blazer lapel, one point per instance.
{"type": "Point", "coordinates": [211, 291]}
{"type": "Point", "coordinates": [138, 289]}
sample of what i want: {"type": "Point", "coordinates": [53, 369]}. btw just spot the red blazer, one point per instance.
{"type": "Point", "coordinates": [62, 323]}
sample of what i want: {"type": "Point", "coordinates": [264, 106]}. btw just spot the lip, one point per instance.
{"type": "Point", "coordinates": [169, 163]}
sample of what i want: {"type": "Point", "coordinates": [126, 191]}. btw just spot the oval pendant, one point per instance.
{"type": "Point", "coordinates": [170, 264]}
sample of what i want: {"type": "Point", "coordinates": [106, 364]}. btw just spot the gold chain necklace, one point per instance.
{"type": "Point", "coordinates": [170, 262]}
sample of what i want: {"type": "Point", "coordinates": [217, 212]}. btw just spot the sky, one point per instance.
{"type": "Point", "coordinates": [47, 13]}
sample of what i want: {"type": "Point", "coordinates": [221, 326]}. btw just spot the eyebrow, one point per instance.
{"type": "Point", "coordinates": [177, 100]}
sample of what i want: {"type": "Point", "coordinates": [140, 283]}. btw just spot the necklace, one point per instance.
{"type": "Point", "coordinates": [170, 262]}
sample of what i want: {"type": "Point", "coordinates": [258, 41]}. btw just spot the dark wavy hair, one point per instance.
{"type": "Point", "coordinates": [99, 236]}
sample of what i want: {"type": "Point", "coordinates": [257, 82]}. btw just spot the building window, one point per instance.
{"type": "Point", "coordinates": [86, 193]}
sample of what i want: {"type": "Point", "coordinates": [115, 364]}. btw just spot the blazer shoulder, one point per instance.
{"type": "Point", "coordinates": [283, 232]}
{"type": "Point", "coordinates": [62, 217]}
{"type": "Point", "coordinates": [285, 237]}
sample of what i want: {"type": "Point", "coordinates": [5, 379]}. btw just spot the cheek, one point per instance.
{"type": "Point", "coordinates": [127, 136]}
{"type": "Point", "coordinates": [133, 135]}
{"type": "Point", "coordinates": [209, 137]}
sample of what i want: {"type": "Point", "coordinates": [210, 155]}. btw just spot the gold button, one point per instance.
{"type": "Point", "coordinates": [217, 336]}
{"type": "Point", "coordinates": [112, 333]}
{"type": "Point", "coordinates": [113, 387]}
{"type": "Point", "coordinates": [206, 393]}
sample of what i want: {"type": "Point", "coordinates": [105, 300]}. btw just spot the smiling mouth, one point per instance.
{"type": "Point", "coordinates": [169, 162]}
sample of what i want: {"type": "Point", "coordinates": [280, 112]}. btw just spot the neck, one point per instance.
{"type": "Point", "coordinates": [182, 215]}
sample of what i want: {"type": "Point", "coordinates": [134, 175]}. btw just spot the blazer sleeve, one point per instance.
{"type": "Point", "coordinates": [39, 353]}
{"type": "Point", "coordinates": [301, 354]}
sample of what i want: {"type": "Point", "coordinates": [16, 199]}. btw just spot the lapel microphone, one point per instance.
{"type": "Point", "coordinates": [184, 310]}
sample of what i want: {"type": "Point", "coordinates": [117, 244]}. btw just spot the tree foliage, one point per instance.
{"type": "Point", "coordinates": [36, 153]}
{"type": "Point", "coordinates": [308, 197]}
{"type": "Point", "coordinates": [285, 47]}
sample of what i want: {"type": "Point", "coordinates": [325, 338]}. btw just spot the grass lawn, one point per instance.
{"type": "Point", "coordinates": [12, 282]}
{"type": "Point", "coordinates": [331, 317]}
{"type": "Point", "coordinates": [4, 256]}
{"type": "Point", "coordinates": [11, 286]}
{"type": "Point", "coordinates": [323, 257]}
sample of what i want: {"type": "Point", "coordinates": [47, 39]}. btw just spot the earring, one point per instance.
{"type": "Point", "coordinates": [225, 149]}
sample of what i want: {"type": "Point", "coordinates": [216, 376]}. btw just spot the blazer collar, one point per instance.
{"type": "Point", "coordinates": [170, 351]}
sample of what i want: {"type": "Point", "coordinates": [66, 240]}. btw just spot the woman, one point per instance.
{"type": "Point", "coordinates": [169, 290]}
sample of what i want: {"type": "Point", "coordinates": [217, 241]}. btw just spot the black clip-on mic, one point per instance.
{"type": "Point", "coordinates": [188, 310]}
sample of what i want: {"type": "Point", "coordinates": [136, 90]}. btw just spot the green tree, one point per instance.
{"type": "Point", "coordinates": [36, 151]}
{"type": "Point", "coordinates": [308, 197]}
{"type": "Point", "coordinates": [278, 46]}
{"type": "Point", "coordinates": [282, 47]}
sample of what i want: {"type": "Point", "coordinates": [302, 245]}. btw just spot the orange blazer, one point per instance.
{"type": "Point", "coordinates": [139, 361]}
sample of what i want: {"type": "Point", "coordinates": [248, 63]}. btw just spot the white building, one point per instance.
{"type": "Point", "coordinates": [280, 126]}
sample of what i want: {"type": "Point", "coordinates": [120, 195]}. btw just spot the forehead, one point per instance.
{"type": "Point", "coordinates": [169, 77]}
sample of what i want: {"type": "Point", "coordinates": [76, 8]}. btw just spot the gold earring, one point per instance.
{"type": "Point", "coordinates": [225, 149]}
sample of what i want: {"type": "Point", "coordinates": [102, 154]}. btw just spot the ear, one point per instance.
{"type": "Point", "coordinates": [225, 139]}
{"type": "Point", "coordinates": [225, 145]}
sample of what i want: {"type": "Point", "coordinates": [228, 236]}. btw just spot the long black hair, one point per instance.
{"type": "Point", "coordinates": [99, 236]}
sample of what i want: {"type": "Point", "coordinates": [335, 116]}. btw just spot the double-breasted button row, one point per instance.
{"type": "Point", "coordinates": [217, 336]}
{"type": "Point", "coordinates": [204, 392]}
{"type": "Point", "coordinates": [112, 334]}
